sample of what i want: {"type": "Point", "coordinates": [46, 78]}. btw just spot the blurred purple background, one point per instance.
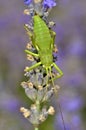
{"type": "Point", "coordinates": [70, 18]}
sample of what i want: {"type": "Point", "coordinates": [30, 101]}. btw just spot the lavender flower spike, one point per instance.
{"type": "Point", "coordinates": [49, 3]}
{"type": "Point", "coordinates": [27, 2]}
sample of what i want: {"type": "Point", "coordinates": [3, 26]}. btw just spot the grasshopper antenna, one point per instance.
{"type": "Point", "coordinates": [52, 78]}
{"type": "Point", "coordinates": [58, 102]}
{"type": "Point", "coordinates": [62, 115]}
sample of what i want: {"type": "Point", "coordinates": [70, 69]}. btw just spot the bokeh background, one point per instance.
{"type": "Point", "coordinates": [70, 18]}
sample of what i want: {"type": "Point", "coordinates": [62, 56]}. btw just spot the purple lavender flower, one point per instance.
{"type": "Point", "coordinates": [49, 3]}
{"type": "Point", "coordinates": [27, 2]}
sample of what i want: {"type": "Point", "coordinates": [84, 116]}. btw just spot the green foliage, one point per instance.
{"type": "Point", "coordinates": [48, 124]}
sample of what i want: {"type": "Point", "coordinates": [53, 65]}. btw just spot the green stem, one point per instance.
{"type": "Point", "coordinates": [38, 105]}
{"type": "Point", "coordinates": [36, 128]}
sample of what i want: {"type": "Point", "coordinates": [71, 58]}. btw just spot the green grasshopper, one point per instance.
{"type": "Point", "coordinates": [43, 40]}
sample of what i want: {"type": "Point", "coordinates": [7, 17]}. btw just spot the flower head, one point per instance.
{"type": "Point", "coordinates": [27, 2]}
{"type": "Point", "coordinates": [49, 3]}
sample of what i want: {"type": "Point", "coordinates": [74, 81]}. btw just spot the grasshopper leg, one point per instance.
{"type": "Point", "coordinates": [31, 53]}
{"type": "Point", "coordinates": [33, 67]}
{"type": "Point", "coordinates": [53, 35]}
{"type": "Point", "coordinates": [29, 33]}
{"type": "Point", "coordinates": [59, 70]}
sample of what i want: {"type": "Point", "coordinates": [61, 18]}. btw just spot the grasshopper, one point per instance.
{"type": "Point", "coordinates": [43, 41]}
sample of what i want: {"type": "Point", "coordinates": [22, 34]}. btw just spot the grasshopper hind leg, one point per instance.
{"type": "Point", "coordinates": [58, 75]}
{"type": "Point", "coordinates": [48, 80]}
{"type": "Point", "coordinates": [59, 71]}
{"type": "Point", "coordinates": [48, 75]}
{"type": "Point", "coordinates": [52, 80]}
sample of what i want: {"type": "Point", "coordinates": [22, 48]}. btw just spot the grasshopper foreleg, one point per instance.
{"type": "Point", "coordinates": [31, 53]}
